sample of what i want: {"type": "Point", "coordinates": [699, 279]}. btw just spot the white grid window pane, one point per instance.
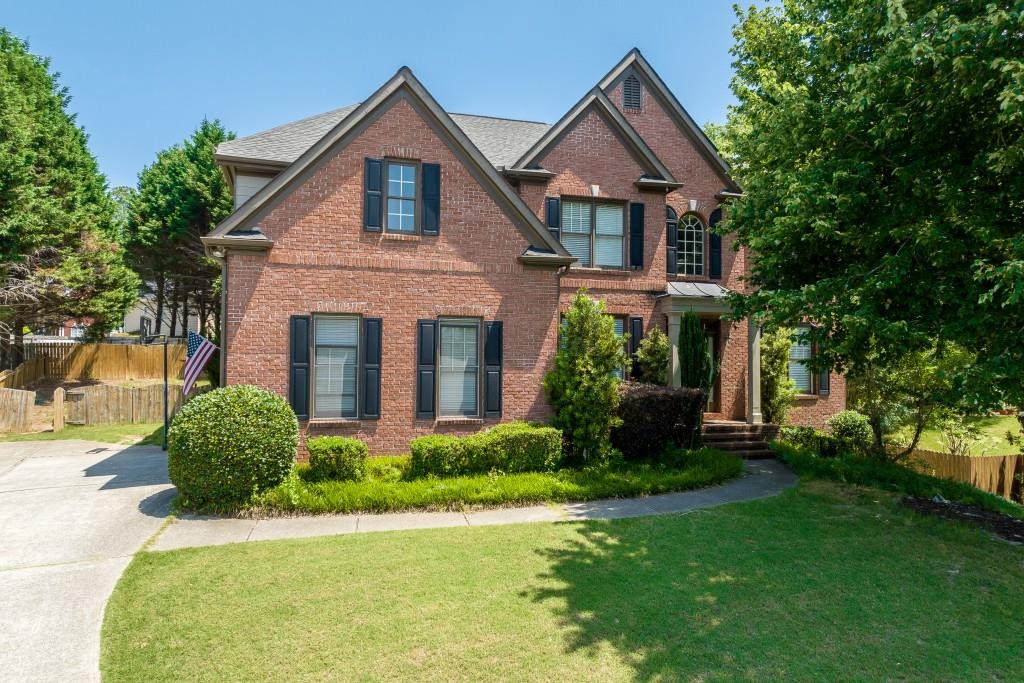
{"type": "Point", "coordinates": [459, 372]}
{"type": "Point", "coordinates": [608, 241]}
{"type": "Point", "coordinates": [401, 197]}
{"type": "Point", "coordinates": [335, 364]}
{"type": "Point", "coordinates": [799, 354]}
{"type": "Point", "coordinates": [401, 180]}
{"type": "Point", "coordinates": [401, 215]}
{"type": "Point", "coordinates": [691, 245]}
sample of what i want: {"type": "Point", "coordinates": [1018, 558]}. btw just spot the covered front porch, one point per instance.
{"type": "Point", "coordinates": [736, 347]}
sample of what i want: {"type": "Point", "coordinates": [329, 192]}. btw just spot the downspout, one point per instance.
{"type": "Point", "coordinates": [220, 255]}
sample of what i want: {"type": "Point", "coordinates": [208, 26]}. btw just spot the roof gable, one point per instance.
{"type": "Point", "coordinates": [598, 102]}
{"type": "Point", "coordinates": [402, 85]}
{"type": "Point", "coordinates": [635, 63]}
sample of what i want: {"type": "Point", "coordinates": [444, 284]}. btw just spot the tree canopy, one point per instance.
{"type": "Point", "coordinates": [57, 258]}
{"type": "Point", "coordinates": [880, 146]}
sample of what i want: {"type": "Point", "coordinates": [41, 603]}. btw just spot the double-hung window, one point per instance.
{"type": "Point", "coordinates": [800, 352]}
{"type": "Point", "coordinates": [459, 385]}
{"type": "Point", "coordinates": [594, 232]}
{"type": "Point", "coordinates": [401, 196]}
{"type": "Point", "coordinates": [335, 366]}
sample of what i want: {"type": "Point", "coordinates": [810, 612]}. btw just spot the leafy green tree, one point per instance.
{"type": "Point", "coordinates": [57, 260]}
{"type": "Point", "coordinates": [880, 145]}
{"type": "Point", "coordinates": [777, 389]}
{"type": "Point", "coordinates": [582, 387]}
{"type": "Point", "coordinates": [652, 358]}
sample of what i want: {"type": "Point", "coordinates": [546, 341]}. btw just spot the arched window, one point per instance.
{"type": "Point", "coordinates": [691, 245]}
{"type": "Point", "coordinates": [672, 233]}
{"type": "Point", "coordinates": [631, 93]}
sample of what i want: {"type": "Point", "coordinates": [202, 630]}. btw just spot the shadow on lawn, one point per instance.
{"type": "Point", "coordinates": [644, 593]}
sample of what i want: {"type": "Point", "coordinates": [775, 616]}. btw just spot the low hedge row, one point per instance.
{"type": "Point", "coordinates": [825, 445]}
{"type": "Point", "coordinates": [512, 447]}
{"type": "Point", "coordinates": [337, 457]}
{"type": "Point", "coordinates": [655, 418]}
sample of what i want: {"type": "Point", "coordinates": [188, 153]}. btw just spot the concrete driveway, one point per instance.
{"type": "Point", "coordinates": [72, 513]}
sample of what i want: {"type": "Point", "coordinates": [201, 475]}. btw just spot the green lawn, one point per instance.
{"type": "Point", "coordinates": [151, 433]}
{"type": "Point", "coordinates": [821, 583]}
{"type": "Point", "coordinates": [389, 488]}
{"type": "Point", "coordinates": [993, 436]}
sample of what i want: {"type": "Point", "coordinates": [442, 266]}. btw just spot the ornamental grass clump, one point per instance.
{"type": "Point", "coordinates": [229, 444]}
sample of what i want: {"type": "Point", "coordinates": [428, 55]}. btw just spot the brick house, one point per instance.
{"type": "Point", "coordinates": [397, 270]}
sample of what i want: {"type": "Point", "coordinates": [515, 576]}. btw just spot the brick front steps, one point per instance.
{"type": "Point", "coordinates": [745, 440]}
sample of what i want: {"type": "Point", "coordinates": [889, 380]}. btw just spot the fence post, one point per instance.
{"type": "Point", "coordinates": [58, 409]}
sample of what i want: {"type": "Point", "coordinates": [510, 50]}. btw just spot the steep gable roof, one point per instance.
{"type": "Point", "coordinates": [597, 101]}
{"type": "Point", "coordinates": [402, 84]}
{"type": "Point", "coordinates": [501, 141]}
{"type": "Point", "coordinates": [634, 62]}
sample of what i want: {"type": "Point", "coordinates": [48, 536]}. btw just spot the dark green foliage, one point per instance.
{"type": "Point", "coordinates": [337, 457]}
{"type": "Point", "coordinates": [57, 256]}
{"type": "Point", "coordinates": [582, 387]}
{"type": "Point", "coordinates": [777, 390]}
{"type": "Point", "coordinates": [228, 444]}
{"type": "Point", "coordinates": [880, 147]}
{"type": "Point", "coordinates": [656, 418]}
{"type": "Point", "coordinates": [815, 441]}
{"type": "Point", "coordinates": [390, 488]}
{"type": "Point", "coordinates": [866, 471]}
{"type": "Point", "coordinates": [510, 447]}
{"type": "Point", "coordinates": [852, 427]}
{"type": "Point", "coordinates": [652, 358]}
{"type": "Point", "coordinates": [696, 367]}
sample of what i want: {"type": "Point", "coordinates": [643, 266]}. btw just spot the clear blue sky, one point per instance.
{"type": "Point", "coordinates": [143, 74]}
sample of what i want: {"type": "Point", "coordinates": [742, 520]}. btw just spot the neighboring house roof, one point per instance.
{"type": "Point", "coordinates": [596, 100]}
{"type": "Point", "coordinates": [502, 141]}
{"type": "Point", "coordinates": [634, 62]}
{"type": "Point", "coordinates": [402, 85]}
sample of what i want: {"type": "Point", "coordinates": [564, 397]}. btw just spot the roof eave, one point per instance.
{"type": "Point", "coordinates": [657, 184]}
{"type": "Point", "coordinates": [527, 173]}
{"type": "Point", "coordinates": [220, 242]}
{"type": "Point", "coordinates": [553, 260]}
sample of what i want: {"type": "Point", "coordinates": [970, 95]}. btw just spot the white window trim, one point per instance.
{"type": "Point", "coordinates": [312, 367]}
{"type": "Point", "coordinates": [594, 203]}
{"type": "Point", "coordinates": [686, 247]}
{"type": "Point", "coordinates": [462, 322]}
{"type": "Point", "coordinates": [388, 163]}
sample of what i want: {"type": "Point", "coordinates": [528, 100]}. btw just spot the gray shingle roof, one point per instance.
{"type": "Point", "coordinates": [502, 141]}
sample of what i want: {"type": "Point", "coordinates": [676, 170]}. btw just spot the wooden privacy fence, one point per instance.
{"type": "Point", "coordinates": [103, 404]}
{"type": "Point", "coordinates": [16, 410]}
{"type": "Point", "coordinates": [998, 474]}
{"type": "Point", "coordinates": [108, 361]}
{"type": "Point", "coordinates": [20, 377]}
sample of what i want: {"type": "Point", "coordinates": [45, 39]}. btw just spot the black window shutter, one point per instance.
{"type": "Point", "coordinates": [553, 215]}
{"type": "Point", "coordinates": [373, 195]}
{"type": "Point", "coordinates": [715, 268]}
{"type": "Point", "coordinates": [431, 198]}
{"type": "Point", "coordinates": [823, 382]}
{"type": "Point", "coordinates": [492, 368]}
{"type": "Point", "coordinates": [636, 235]}
{"type": "Point", "coordinates": [672, 239]}
{"type": "Point", "coordinates": [636, 335]}
{"type": "Point", "coordinates": [298, 361]}
{"type": "Point", "coordinates": [426, 368]}
{"type": "Point", "coordinates": [371, 369]}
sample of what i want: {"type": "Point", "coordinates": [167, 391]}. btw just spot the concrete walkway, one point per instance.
{"type": "Point", "coordinates": [764, 478]}
{"type": "Point", "coordinates": [72, 514]}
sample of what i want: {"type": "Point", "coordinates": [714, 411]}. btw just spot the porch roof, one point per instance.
{"type": "Point", "coordinates": [696, 290]}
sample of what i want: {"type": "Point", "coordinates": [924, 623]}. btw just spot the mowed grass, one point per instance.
{"type": "Point", "coordinates": [148, 433]}
{"type": "Point", "coordinates": [388, 487]}
{"type": "Point", "coordinates": [824, 582]}
{"type": "Point", "coordinates": [992, 440]}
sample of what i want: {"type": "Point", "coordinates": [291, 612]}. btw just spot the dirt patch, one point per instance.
{"type": "Point", "coordinates": [1010, 528]}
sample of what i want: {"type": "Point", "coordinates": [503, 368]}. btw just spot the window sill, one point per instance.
{"type": "Point", "coordinates": [590, 270]}
{"type": "Point", "coordinates": [448, 421]}
{"type": "Point", "coordinates": [806, 397]}
{"type": "Point", "coordinates": [400, 237]}
{"type": "Point", "coordinates": [335, 421]}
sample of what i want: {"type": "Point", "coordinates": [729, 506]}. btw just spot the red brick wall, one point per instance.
{"type": "Point", "coordinates": [323, 261]}
{"type": "Point", "coordinates": [813, 411]}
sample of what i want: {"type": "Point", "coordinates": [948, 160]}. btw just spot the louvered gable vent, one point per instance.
{"type": "Point", "coordinates": [631, 93]}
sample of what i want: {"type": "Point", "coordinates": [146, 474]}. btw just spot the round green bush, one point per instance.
{"type": "Point", "coordinates": [228, 444]}
{"type": "Point", "coordinates": [851, 426]}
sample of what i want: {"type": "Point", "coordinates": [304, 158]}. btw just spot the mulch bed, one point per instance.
{"type": "Point", "coordinates": [1007, 527]}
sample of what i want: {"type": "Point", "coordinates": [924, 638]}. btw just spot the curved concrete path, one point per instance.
{"type": "Point", "coordinates": [72, 514]}
{"type": "Point", "coordinates": [763, 478]}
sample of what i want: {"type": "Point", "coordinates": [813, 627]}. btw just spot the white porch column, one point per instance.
{"type": "Point", "coordinates": [675, 372]}
{"type": "Point", "coordinates": [753, 373]}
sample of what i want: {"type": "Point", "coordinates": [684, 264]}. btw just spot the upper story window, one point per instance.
{"type": "Point", "coordinates": [401, 197]}
{"type": "Point", "coordinates": [631, 93]}
{"type": "Point", "coordinates": [594, 232]}
{"type": "Point", "coordinates": [691, 245]}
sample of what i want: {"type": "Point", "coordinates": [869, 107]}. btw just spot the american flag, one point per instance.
{"type": "Point", "coordinates": [199, 351]}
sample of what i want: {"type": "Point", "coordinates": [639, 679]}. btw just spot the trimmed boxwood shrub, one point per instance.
{"type": "Point", "coordinates": [655, 417]}
{"type": "Point", "coordinates": [852, 427]}
{"type": "Point", "coordinates": [814, 441]}
{"type": "Point", "coordinates": [337, 457]}
{"type": "Point", "coordinates": [510, 447]}
{"type": "Point", "coordinates": [228, 444]}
